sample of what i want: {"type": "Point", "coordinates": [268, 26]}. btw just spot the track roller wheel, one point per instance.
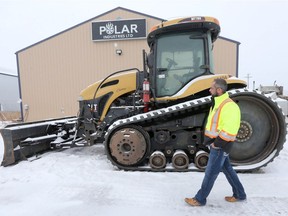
{"type": "Point", "coordinates": [180, 160]}
{"type": "Point", "coordinates": [201, 159]}
{"type": "Point", "coordinates": [128, 146]}
{"type": "Point", "coordinates": [157, 160]}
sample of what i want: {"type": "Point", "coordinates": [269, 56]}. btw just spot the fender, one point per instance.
{"type": "Point", "coordinates": [114, 87]}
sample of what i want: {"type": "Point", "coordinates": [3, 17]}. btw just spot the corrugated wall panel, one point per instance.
{"type": "Point", "coordinates": [9, 93]}
{"type": "Point", "coordinates": [225, 57]}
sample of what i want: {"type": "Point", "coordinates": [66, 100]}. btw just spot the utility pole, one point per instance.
{"type": "Point", "coordinates": [248, 77]}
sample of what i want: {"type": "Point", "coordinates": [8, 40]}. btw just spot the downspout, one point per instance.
{"type": "Point", "coordinates": [237, 59]}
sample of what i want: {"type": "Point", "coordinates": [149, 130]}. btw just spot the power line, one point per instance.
{"type": "Point", "coordinates": [248, 77]}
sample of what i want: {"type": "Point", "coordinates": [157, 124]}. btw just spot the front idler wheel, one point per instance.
{"type": "Point", "coordinates": [128, 146]}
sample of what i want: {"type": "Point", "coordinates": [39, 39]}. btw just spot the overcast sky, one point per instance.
{"type": "Point", "coordinates": [261, 26]}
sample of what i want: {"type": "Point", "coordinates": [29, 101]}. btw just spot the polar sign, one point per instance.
{"type": "Point", "coordinates": [119, 30]}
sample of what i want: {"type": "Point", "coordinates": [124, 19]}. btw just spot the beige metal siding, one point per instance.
{"type": "Point", "coordinates": [54, 71]}
{"type": "Point", "coordinates": [225, 57]}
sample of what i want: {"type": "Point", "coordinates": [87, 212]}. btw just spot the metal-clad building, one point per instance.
{"type": "Point", "coordinates": [52, 72]}
{"type": "Point", "coordinates": [9, 93]}
{"type": "Point", "coordinates": [226, 53]}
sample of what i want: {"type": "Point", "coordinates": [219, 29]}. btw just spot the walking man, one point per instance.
{"type": "Point", "coordinates": [221, 129]}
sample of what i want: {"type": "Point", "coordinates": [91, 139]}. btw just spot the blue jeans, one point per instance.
{"type": "Point", "coordinates": [219, 161]}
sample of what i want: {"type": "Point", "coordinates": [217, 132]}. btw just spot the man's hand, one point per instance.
{"type": "Point", "coordinates": [213, 146]}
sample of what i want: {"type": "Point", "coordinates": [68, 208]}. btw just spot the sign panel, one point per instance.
{"type": "Point", "coordinates": [119, 30]}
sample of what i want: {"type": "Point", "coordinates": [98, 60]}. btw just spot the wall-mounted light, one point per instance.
{"type": "Point", "coordinates": [118, 51]}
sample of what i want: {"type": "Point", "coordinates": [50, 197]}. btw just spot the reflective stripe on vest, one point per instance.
{"type": "Point", "coordinates": [226, 136]}
{"type": "Point", "coordinates": [213, 132]}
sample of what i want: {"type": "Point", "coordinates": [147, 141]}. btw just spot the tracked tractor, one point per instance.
{"type": "Point", "coordinates": [153, 119]}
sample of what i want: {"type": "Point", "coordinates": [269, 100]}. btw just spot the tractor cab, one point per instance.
{"type": "Point", "coordinates": [179, 56]}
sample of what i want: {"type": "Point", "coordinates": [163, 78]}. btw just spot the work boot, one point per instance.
{"type": "Point", "coordinates": [192, 202]}
{"type": "Point", "coordinates": [232, 199]}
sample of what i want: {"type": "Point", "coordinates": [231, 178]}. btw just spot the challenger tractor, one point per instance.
{"type": "Point", "coordinates": [154, 119]}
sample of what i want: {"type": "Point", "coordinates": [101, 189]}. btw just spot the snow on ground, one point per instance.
{"type": "Point", "coordinates": [81, 181]}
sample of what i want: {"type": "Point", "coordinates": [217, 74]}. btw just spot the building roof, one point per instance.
{"type": "Point", "coordinates": [107, 12]}
{"type": "Point", "coordinates": [89, 20]}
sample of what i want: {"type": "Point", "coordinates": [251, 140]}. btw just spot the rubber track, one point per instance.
{"type": "Point", "coordinates": [175, 110]}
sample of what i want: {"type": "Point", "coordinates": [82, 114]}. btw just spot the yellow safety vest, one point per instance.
{"type": "Point", "coordinates": [224, 119]}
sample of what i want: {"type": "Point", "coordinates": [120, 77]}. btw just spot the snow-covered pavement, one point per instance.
{"type": "Point", "coordinates": [81, 181]}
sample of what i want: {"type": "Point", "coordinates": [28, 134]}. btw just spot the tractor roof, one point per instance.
{"type": "Point", "coordinates": [186, 24]}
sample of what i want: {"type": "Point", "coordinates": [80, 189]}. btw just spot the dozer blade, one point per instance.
{"type": "Point", "coordinates": [27, 139]}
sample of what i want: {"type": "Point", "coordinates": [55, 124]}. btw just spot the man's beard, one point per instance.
{"type": "Point", "coordinates": [215, 95]}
